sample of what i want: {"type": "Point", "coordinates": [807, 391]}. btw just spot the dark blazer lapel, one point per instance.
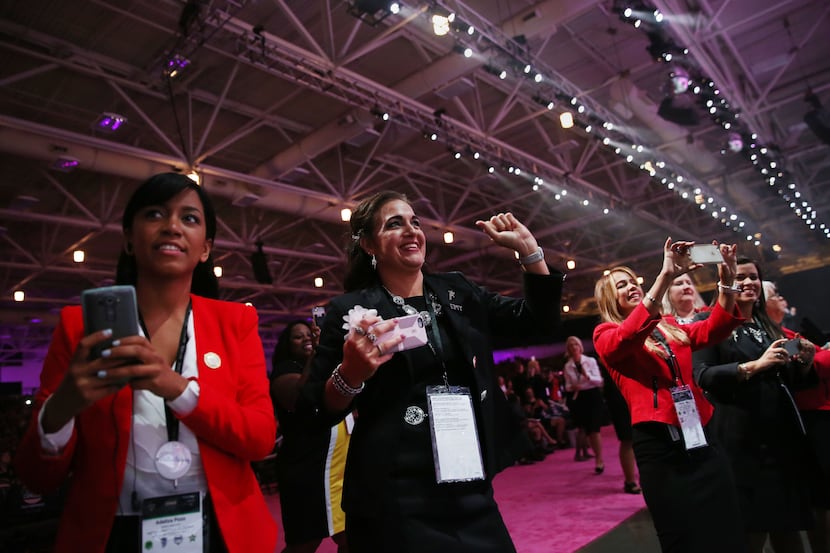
{"type": "Point", "coordinates": [452, 299]}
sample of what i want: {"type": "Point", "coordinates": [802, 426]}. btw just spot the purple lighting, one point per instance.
{"type": "Point", "coordinates": [65, 164]}
{"type": "Point", "coordinates": [175, 65]}
{"type": "Point", "coordinates": [110, 122]}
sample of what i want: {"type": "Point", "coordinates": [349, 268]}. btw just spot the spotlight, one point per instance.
{"type": "Point", "coordinates": [735, 142]}
{"type": "Point", "coordinates": [78, 256]}
{"type": "Point", "coordinates": [65, 164]}
{"type": "Point", "coordinates": [175, 65]}
{"type": "Point", "coordinates": [345, 214]}
{"type": "Point", "coordinates": [679, 80]}
{"type": "Point", "coordinates": [372, 12]}
{"type": "Point", "coordinates": [441, 23]}
{"type": "Point", "coordinates": [566, 119]}
{"type": "Point", "coordinates": [217, 270]}
{"type": "Point", "coordinates": [110, 122]}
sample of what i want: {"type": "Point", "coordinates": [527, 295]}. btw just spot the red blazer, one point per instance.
{"type": "Point", "coordinates": [233, 422]}
{"type": "Point", "coordinates": [637, 371]}
{"type": "Point", "coordinates": [817, 398]}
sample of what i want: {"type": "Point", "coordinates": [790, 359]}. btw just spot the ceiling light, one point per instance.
{"type": "Point", "coordinates": [110, 122]}
{"type": "Point", "coordinates": [78, 256]}
{"type": "Point", "coordinates": [318, 282]}
{"type": "Point", "coordinates": [571, 264]}
{"type": "Point", "coordinates": [175, 65]}
{"type": "Point", "coordinates": [19, 295]}
{"type": "Point", "coordinates": [449, 237]}
{"type": "Point", "coordinates": [441, 23]}
{"type": "Point", "coordinates": [65, 164]}
{"type": "Point", "coordinates": [217, 270]}
{"type": "Point", "coordinates": [345, 214]}
{"type": "Point", "coordinates": [566, 119]}
{"type": "Point", "coordinates": [565, 308]}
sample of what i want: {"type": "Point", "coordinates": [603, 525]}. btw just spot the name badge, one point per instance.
{"type": "Point", "coordinates": [455, 444]}
{"type": "Point", "coordinates": [172, 523]}
{"type": "Point", "coordinates": [686, 409]}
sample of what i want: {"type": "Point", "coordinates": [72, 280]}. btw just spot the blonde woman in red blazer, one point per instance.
{"type": "Point", "coordinates": [688, 487]}
{"type": "Point", "coordinates": [88, 430]}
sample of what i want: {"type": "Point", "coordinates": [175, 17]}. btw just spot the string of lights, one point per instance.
{"type": "Point", "coordinates": [688, 79]}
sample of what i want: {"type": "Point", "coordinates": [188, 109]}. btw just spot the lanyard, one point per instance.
{"type": "Point", "coordinates": [671, 361]}
{"type": "Point", "coordinates": [170, 419]}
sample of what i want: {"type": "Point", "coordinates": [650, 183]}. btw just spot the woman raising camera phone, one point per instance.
{"type": "Point", "coordinates": [166, 421]}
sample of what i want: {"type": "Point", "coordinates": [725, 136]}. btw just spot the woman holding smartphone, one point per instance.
{"type": "Point", "coordinates": [162, 427]}
{"type": "Point", "coordinates": [751, 377]}
{"type": "Point", "coordinates": [422, 455]}
{"type": "Point", "coordinates": [685, 478]}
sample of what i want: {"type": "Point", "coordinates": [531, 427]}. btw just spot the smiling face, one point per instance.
{"type": "Point", "coordinates": [777, 307]}
{"type": "Point", "coordinates": [170, 239]}
{"type": "Point", "coordinates": [301, 345]}
{"type": "Point", "coordinates": [682, 295]}
{"type": "Point", "coordinates": [750, 281]}
{"type": "Point", "coordinates": [629, 292]}
{"type": "Point", "coordinates": [398, 242]}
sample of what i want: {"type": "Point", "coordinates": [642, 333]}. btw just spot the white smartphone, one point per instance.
{"type": "Point", "coordinates": [413, 330]}
{"type": "Point", "coordinates": [109, 307]}
{"type": "Point", "coordinates": [705, 253]}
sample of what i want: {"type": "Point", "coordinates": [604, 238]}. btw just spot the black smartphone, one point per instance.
{"type": "Point", "coordinates": [112, 307]}
{"type": "Point", "coordinates": [793, 346]}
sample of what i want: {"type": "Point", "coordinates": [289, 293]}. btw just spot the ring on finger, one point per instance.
{"type": "Point", "coordinates": [101, 374]}
{"type": "Point", "coordinates": [359, 330]}
{"type": "Point", "coordinates": [371, 336]}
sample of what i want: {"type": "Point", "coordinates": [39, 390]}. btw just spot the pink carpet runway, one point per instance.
{"type": "Point", "coordinates": [553, 506]}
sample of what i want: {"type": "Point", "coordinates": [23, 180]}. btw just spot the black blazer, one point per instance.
{"type": "Point", "coordinates": [473, 315]}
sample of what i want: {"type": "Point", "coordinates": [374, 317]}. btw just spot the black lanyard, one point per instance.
{"type": "Point", "coordinates": [170, 419]}
{"type": "Point", "coordinates": [671, 361]}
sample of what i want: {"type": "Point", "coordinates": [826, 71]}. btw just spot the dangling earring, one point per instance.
{"type": "Point", "coordinates": [374, 262]}
{"type": "Point", "coordinates": [128, 248]}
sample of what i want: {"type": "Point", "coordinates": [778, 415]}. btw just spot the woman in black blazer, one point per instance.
{"type": "Point", "coordinates": [400, 493]}
{"type": "Point", "coordinates": [750, 379]}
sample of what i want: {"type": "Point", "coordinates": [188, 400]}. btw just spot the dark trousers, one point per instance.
{"type": "Point", "coordinates": [691, 495]}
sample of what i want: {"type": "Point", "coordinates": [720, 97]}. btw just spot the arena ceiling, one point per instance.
{"type": "Point", "coordinates": [279, 106]}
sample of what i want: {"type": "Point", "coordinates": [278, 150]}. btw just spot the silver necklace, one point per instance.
{"type": "Point", "coordinates": [408, 309]}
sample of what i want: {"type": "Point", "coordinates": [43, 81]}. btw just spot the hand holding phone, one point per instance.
{"type": "Point", "coordinates": [317, 314]}
{"type": "Point", "coordinates": [792, 346]}
{"type": "Point", "coordinates": [411, 327]}
{"type": "Point", "coordinates": [705, 253]}
{"type": "Point", "coordinates": [113, 307]}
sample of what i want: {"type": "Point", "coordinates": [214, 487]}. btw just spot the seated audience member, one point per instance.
{"type": "Point", "coordinates": [686, 479]}
{"type": "Point", "coordinates": [179, 409]}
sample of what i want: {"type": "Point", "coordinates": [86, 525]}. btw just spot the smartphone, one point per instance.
{"type": "Point", "coordinates": [413, 330]}
{"type": "Point", "coordinates": [317, 314]}
{"type": "Point", "coordinates": [112, 307]}
{"type": "Point", "coordinates": [705, 253]}
{"type": "Point", "coordinates": [793, 346]}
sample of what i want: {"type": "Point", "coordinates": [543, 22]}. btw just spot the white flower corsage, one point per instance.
{"type": "Point", "coordinates": [354, 316]}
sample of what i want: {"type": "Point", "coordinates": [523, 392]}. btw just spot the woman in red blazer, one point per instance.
{"type": "Point", "coordinates": [686, 481]}
{"type": "Point", "coordinates": [192, 382]}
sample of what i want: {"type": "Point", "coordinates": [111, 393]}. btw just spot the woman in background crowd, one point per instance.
{"type": "Point", "coordinates": [178, 409]}
{"type": "Point", "coordinates": [310, 465]}
{"type": "Point", "coordinates": [584, 381]}
{"type": "Point", "coordinates": [750, 378]}
{"type": "Point", "coordinates": [683, 301]}
{"type": "Point", "coordinates": [415, 482]}
{"type": "Point", "coordinates": [686, 479]}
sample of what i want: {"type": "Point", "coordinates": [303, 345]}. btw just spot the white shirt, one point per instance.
{"type": "Point", "coordinates": [575, 380]}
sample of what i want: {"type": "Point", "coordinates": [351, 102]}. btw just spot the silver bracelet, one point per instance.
{"type": "Point", "coordinates": [649, 298]}
{"type": "Point", "coordinates": [538, 255]}
{"type": "Point", "coordinates": [342, 386]}
{"type": "Point", "coordinates": [734, 289]}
